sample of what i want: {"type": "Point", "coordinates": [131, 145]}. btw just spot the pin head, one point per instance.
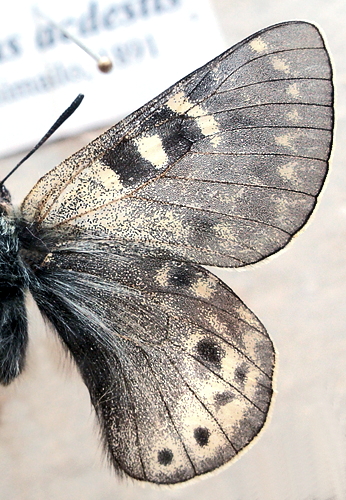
{"type": "Point", "coordinates": [104, 64]}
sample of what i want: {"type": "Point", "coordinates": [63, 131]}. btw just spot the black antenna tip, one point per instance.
{"type": "Point", "coordinates": [62, 118]}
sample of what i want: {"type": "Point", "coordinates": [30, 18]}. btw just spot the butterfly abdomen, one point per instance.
{"type": "Point", "coordinates": [13, 283]}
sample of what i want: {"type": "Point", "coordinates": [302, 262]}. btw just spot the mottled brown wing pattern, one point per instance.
{"type": "Point", "coordinates": [221, 169]}
{"type": "Point", "coordinates": [179, 370]}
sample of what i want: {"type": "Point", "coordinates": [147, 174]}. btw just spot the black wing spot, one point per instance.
{"type": "Point", "coordinates": [201, 224]}
{"type": "Point", "coordinates": [160, 116]}
{"type": "Point", "coordinates": [202, 228]}
{"type": "Point", "coordinates": [210, 351]}
{"type": "Point", "coordinates": [236, 119]}
{"type": "Point", "coordinates": [165, 456]}
{"type": "Point", "coordinates": [126, 161]}
{"type": "Point", "coordinates": [192, 130]}
{"type": "Point", "coordinates": [201, 434]}
{"type": "Point", "coordinates": [182, 276]}
{"type": "Point", "coordinates": [222, 398]}
{"type": "Point", "coordinates": [240, 373]}
{"type": "Point", "coordinates": [174, 142]}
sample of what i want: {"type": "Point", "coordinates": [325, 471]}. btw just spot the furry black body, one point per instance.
{"type": "Point", "coordinates": [23, 250]}
{"type": "Point", "coordinates": [14, 280]}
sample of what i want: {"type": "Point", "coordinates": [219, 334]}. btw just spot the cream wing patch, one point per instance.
{"type": "Point", "coordinates": [179, 103]}
{"type": "Point", "coordinates": [204, 288]}
{"type": "Point", "coordinates": [206, 122]}
{"type": "Point", "coordinates": [279, 64]}
{"type": "Point", "coordinates": [293, 90]}
{"type": "Point", "coordinates": [287, 140]}
{"type": "Point", "coordinates": [258, 45]}
{"type": "Point", "coordinates": [151, 149]}
{"type": "Point", "coordinates": [288, 171]}
{"type": "Point", "coordinates": [293, 116]}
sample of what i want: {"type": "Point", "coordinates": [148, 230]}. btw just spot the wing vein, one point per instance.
{"type": "Point", "coordinates": [214, 333]}
{"type": "Point", "coordinates": [219, 376]}
{"type": "Point", "coordinates": [161, 202]}
{"type": "Point", "coordinates": [145, 354]}
{"type": "Point", "coordinates": [240, 66]}
{"type": "Point", "coordinates": [242, 184]}
{"type": "Point", "coordinates": [260, 105]}
{"type": "Point", "coordinates": [292, 79]}
{"type": "Point", "coordinates": [199, 399]}
{"type": "Point", "coordinates": [200, 299]}
{"type": "Point", "coordinates": [286, 155]}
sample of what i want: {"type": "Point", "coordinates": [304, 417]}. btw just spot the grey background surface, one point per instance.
{"type": "Point", "coordinates": [48, 438]}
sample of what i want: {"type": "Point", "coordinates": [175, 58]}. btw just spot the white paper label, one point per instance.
{"type": "Point", "coordinates": [152, 44]}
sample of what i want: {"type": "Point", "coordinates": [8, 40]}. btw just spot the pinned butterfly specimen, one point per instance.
{"type": "Point", "coordinates": [222, 169]}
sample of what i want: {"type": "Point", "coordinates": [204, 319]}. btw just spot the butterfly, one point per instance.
{"type": "Point", "coordinates": [222, 169]}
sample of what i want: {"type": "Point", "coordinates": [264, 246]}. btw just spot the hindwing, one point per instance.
{"type": "Point", "coordinates": [179, 370]}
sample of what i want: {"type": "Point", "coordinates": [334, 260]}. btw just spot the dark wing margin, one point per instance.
{"type": "Point", "coordinates": [222, 169]}
{"type": "Point", "coordinates": [179, 370]}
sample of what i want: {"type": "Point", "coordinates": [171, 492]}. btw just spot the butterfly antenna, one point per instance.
{"type": "Point", "coordinates": [62, 118]}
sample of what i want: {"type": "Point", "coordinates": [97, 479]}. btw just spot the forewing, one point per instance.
{"type": "Point", "coordinates": [222, 169]}
{"type": "Point", "coordinates": [179, 370]}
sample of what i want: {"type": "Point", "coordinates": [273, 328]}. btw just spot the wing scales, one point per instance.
{"type": "Point", "coordinates": [175, 389]}
{"type": "Point", "coordinates": [266, 102]}
{"type": "Point", "coordinates": [223, 168]}
{"type": "Point", "coordinates": [254, 169]}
